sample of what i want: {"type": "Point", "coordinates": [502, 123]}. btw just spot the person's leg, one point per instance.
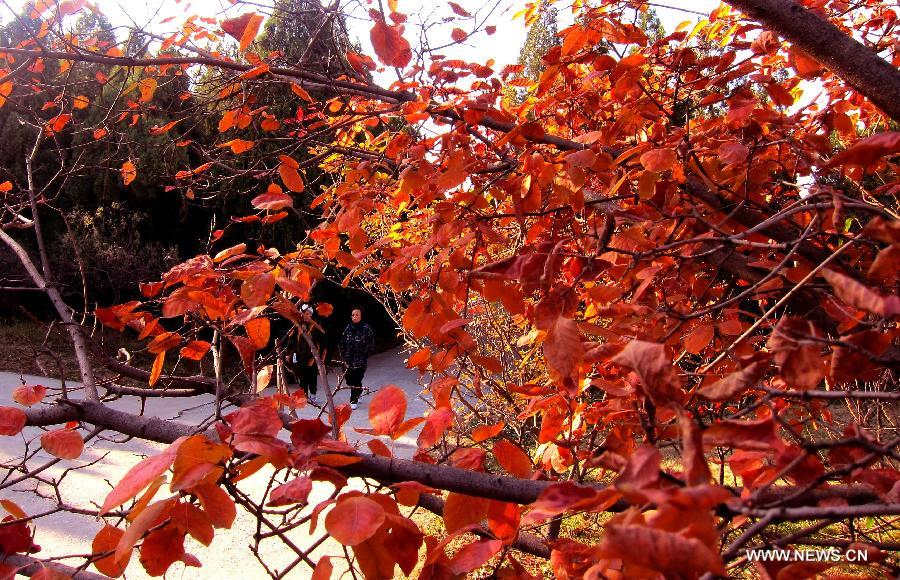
{"type": "Point", "coordinates": [354, 381]}
{"type": "Point", "coordinates": [311, 379]}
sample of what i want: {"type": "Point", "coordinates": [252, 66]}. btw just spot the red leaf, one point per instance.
{"type": "Point", "coordinates": [160, 549]}
{"type": "Point", "coordinates": [29, 395]}
{"type": "Point", "coordinates": [243, 28]}
{"type": "Point", "coordinates": [735, 383]}
{"type": "Point", "coordinates": [659, 379]}
{"type": "Point", "coordinates": [106, 540]}
{"type": "Point", "coordinates": [323, 569]}
{"type": "Point", "coordinates": [324, 309]}
{"type": "Point", "coordinates": [474, 555]}
{"type": "Point", "coordinates": [759, 434]}
{"type": "Point", "coordinates": [392, 49]}
{"type": "Point", "coordinates": [459, 9]}
{"type": "Point", "coordinates": [295, 491]}
{"type": "Point", "coordinates": [866, 152]}
{"type": "Point", "coordinates": [698, 339]}
{"type": "Point", "coordinates": [273, 200]}
{"type": "Point", "coordinates": [195, 350]}
{"type": "Point", "coordinates": [217, 504]}
{"type": "Point", "coordinates": [659, 160]}
{"type": "Point", "coordinates": [12, 421]}
{"type": "Point", "coordinates": [63, 443]}
{"type": "Point", "coordinates": [671, 554]}
{"type": "Point", "coordinates": [354, 520]}
{"type": "Point", "coordinates": [563, 348]}
{"type": "Point", "coordinates": [566, 496]}
{"type": "Point", "coordinates": [387, 409]}
{"type": "Point", "coordinates": [860, 296]}
{"type": "Point", "coordinates": [458, 34]}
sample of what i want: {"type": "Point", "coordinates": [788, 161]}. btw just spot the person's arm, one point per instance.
{"type": "Point", "coordinates": [370, 340]}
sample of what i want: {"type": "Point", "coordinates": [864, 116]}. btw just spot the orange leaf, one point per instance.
{"type": "Point", "coordinates": [129, 172]}
{"type": "Point", "coordinates": [237, 146]}
{"type": "Point", "coordinates": [139, 477]}
{"type": "Point", "coordinates": [57, 123]}
{"type": "Point", "coordinates": [63, 443]}
{"type": "Point", "coordinates": [300, 92]}
{"type": "Point", "coordinates": [487, 431]}
{"type": "Point", "coordinates": [658, 160]}
{"type": "Point", "coordinates": [387, 409]}
{"type": "Point", "coordinates": [324, 309]}
{"type": "Point", "coordinates": [217, 504]}
{"type": "Point", "coordinates": [258, 331]}
{"type": "Point", "coordinates": [12, 421]}
{"type": "Point", "coordinates": [195, 459]}
{"type": "Point", "coordinates": [291, 177]}
{"type": "Point", "coordinates": [80, 102]}
{"type": "Point", "coordinates": [29, 395]}
{"type": "Point", "coordinates": [354, 520]}
{"type": "Point", "coordinates": [5, 186]}
{"type": "Point", "coordinates": [5, 90]}
{"type": "Point", "coordinates": [463, 510]}
{"type": "Point", "coordinates": [147, 87]}
{"type": "Point", "coordinates": [420, 356]}
{"type": "Point", "coordinates": [512, 458]}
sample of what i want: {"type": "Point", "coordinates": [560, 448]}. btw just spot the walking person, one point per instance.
{"type": "Point", "coordinates": [357, 343]}
{"type": "Point", "coordinates": [303, 361]}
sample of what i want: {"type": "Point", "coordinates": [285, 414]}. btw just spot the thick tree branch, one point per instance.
{"type": "Point", "coordinates": [861, 68]}
{"type": "Point", "coordinates": [393, 470]}
{"type": "Point", "coordinates": [29, 566]}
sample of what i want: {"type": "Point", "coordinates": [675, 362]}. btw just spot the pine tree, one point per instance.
{"type": "Point", "coordinates": [542, 36]}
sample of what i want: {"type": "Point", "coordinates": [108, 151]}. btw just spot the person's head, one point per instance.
{"type": "Point", "coordinates": [306, 312]}
{"type": "Point", "coordinates": [356, 315]}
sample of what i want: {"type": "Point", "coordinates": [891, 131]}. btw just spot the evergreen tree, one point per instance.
{"type": "Point", "coordinates": [542, 36]}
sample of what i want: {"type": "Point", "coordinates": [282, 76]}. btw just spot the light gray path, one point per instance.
{"type": "Point", "coordinates": [228, 556]}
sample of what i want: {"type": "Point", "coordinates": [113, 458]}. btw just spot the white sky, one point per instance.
{"type": "Point", "coordinates": [503, 46]}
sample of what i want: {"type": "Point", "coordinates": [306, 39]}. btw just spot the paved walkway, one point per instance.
{"type": "Point", "coordinates": [106, 460]}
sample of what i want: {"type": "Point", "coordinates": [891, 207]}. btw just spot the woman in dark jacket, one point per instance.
{"type": "Point", "coordinates": [357, 343]}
